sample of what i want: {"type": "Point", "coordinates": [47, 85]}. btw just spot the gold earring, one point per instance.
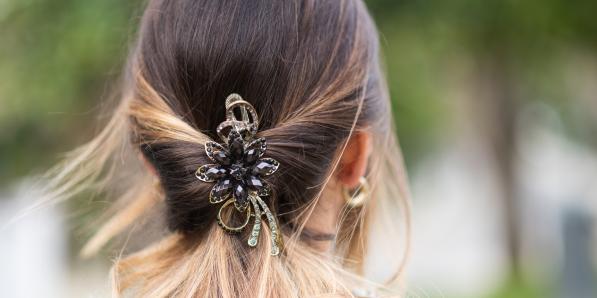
{"type": "Point", "coordinates": [357, 197]}
{"type": "Point", "coordinates": [156, 183]}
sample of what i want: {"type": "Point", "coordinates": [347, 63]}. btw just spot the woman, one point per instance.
{"type": "Point", "coordinates": [264, 130]}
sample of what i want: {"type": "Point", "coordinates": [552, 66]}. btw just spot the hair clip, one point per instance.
{"type": "Point", "coordinates": [238, 170]}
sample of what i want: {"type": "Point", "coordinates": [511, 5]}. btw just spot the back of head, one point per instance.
{"type": "Point", "coordinates": [310, 68]}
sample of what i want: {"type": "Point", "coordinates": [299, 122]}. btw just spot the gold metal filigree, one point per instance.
{"type": "Point", "coordinates": [238, 170]}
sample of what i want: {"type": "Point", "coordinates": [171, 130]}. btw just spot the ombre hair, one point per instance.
{"type": "Point", "coordinates": [311, 69]}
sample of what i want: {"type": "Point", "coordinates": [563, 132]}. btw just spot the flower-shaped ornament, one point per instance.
{"type": "Point", "coordinates": [238, 170]}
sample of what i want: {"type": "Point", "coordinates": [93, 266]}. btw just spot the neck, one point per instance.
{"type": "Point", "coordinates": [321, 227]}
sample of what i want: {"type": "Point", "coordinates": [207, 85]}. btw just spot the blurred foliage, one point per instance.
{"type": "Point", "coordinates": [59, 58]}
{"type": "Point", "coordinates": [532, 40]}
{"type": "Point", "coordinates": [516, 289]}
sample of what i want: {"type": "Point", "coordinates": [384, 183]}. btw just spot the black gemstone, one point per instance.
{"type": "Point", "coordinates": [222, 158]}
{"type": "Point", "coordinates": [215, 173]}
{"type": "Point", "coordinates": [254, 151]}
{"type": "Point", "coordinates": [240, 194]}
{"type": "Point", "coordinates": [263, 167]}
{"type": "Point", "coordinates": [237, 171]}
{"type": "Point", "coordinates": [222, 188]}
{"type": "Point", "coordinates": [254, 182]}
{"type": "Point", "coordinates": [251, 156]}
{"type": "Point", "coordinates": [236, 149]}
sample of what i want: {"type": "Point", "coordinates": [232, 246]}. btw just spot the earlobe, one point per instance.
{"type": "Point", "coordinates": [354, 160]}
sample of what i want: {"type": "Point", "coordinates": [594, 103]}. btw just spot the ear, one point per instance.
{"type": "Point", "coordinates": [354, 159]}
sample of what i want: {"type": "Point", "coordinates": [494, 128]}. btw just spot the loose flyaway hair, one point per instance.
{"type": "Point", "coordinates": [310, 69]}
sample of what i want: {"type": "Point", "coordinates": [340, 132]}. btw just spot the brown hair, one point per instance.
{"type": "Point", "coordinates": [311, 70]}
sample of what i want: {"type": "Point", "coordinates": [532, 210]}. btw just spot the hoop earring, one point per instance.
{"type": "Point", "coordinates": [360, 194]}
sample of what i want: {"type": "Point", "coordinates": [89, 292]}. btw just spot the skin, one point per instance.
{"type": "Point", "coordinates": [353, 164]}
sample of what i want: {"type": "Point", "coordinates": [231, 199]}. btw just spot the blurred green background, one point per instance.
{"type": "Point", "coordinates": [458, 69]}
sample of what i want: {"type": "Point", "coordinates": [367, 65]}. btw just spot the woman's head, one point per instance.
{"type": "Point", "coordinates": [308, 67]}
{"type": "Point", "coordinates": [311, 70]}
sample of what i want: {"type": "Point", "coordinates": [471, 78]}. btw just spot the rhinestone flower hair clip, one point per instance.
{"type": "Point", "coordinates": [238, 170]}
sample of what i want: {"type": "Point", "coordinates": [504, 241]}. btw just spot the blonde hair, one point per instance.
{"type": "Point", "coordinates": [311, 69]}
